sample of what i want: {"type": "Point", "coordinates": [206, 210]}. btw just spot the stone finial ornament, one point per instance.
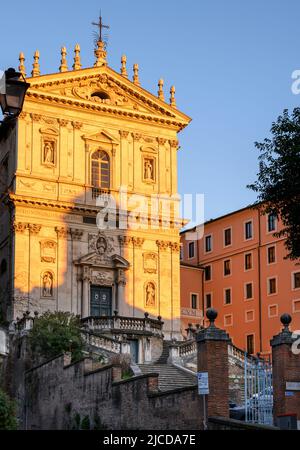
{"type": "Point", "coordinates": [63, 62]}
{"type": "Point", "coordinates": [211, 314]}
{"type": "Point", "coordinates": [172, 97]}
{"type": "Point", "coordinates": [136, 75]}
{"type": "Point", "coordinates": [22, 65]}
{"type": "Point", "coordinates": [100, 55]}
{"type": "Point", "coordinates": [77, 63]}
{"type": "Point", "coordinates": [161, 94]}
{"type": "Point", "coordinates": [123, 66]}
{"type": "Point", "coordinates": [36, 65]}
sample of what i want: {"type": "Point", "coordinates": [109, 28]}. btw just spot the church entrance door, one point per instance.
{"type": "Point", "coordinates": [101, 299]}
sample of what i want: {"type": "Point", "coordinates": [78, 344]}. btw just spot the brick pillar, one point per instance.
{"type": "Point", "coordinates": [212, 353]}
{"type": "Point", "coordinates": [286, 372]}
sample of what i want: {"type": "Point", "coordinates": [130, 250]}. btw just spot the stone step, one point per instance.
{"type": "Point", "coordinates": [169, 377]}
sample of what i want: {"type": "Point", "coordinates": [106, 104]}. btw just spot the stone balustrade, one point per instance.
{"type": "Point", "coordinates": [187, 348]}
{"type": "Point", "coordinates": [124, 324]}
{"type": "Point", "coordinates": [102, 342]}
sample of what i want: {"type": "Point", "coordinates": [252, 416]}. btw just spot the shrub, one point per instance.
{"type": "Point", "coordinates": [8, 419]}
{"type": "Point", "coordinates": [54, 333]}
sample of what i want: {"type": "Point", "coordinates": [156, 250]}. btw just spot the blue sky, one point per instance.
{"type": "Point", "coordinates": [231, 62]}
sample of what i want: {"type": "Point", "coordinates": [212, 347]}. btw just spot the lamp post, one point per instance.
{"type": "Point", "coordinates": [12, 94]}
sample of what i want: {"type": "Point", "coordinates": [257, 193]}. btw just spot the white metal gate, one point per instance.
{"type": "Point", "coordinates": [258, 390]}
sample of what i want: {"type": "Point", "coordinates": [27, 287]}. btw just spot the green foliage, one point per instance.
{"type": "Point", "coordinates": [278, 180]}
{"type": "Point", "coordinates": [85, 423]}
{"type": "Point", "coordinates": [8, 419]}
{"type": "Point", "coordinates": [54, 333]}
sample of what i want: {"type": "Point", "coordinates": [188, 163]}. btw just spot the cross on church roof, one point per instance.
{"type": "Point", "coordinates": [101, 26]}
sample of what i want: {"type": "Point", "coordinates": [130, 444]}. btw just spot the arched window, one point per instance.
{"type": "Point", "coordinates": [100, 170]}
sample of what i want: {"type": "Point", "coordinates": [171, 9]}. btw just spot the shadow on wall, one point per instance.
{"type": "Point", "coordinates": [62, 261]}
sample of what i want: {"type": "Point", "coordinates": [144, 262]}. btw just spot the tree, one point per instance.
{"type": "Point", "coordinates": [278, 182]}
{"type": "Point", "coordinates": [8, 419]}
{"type": "Point", "coordinates": [56, 333]}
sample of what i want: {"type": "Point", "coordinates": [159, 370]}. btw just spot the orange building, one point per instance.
{"type": "Point", "coordinates": [238, 268]}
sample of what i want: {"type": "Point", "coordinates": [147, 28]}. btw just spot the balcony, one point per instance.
{"type": "Point", "coordinates": [127, 325]}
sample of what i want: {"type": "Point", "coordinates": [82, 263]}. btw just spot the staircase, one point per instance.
{"type": "Point", "coordinates": [163, 359]}
{"type": "Point", "coordinates": [169, 377]}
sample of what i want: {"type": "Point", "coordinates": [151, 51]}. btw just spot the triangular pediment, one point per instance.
{"type": "Point", "coordinates": [102, 136]}
{"type": "Point", "coordinates": [95, 260]}
{"type": "Point", "coordinates": [103, 89]}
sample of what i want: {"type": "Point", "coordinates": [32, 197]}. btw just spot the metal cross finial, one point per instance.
{"type": "Point", "coordinates": [100, 25]}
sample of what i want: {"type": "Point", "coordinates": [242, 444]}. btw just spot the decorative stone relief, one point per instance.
{"type": "Point", "coordinates": [34, 228]}
{"type": "Point", "coordinates": [174, 143]}
{"type": "Point", "coordinates": [162, 245]}
{"type": "Point", "coordinates": [138, 242]}
{"type": "Point", "coordinates": [61, 232]}
{"type": "Point", "coordinates": [124, 134]}
{"type": "Point", "coordinates": [20, 227]}
{"type": "Point", "coordinates": [36, 117]}
{"type": "Point", "coordinates": [150, 262]}
{"type": "Point", "coordinates": [47, 284]}
{"type": "Point", "coordinates": [175, 246]}
{"type": "Point", "coordinates": [161, 141]}
{"type": "Point", "coordinates": [76, 234]}
{"type": "Point", "coordinates": [101, 244]}
{"type": "Point", "coordinates": [63, 122]}
{"type": "Point", "coordinates": [103, 278]}
{"type": "Point", "coordinates": [121, 279]}
{"type": "Point", "coordinates": [150, 294]}
{"type": "Point", "coordinates": [77, 125]}
{"type": "Point", "coordinates": [48, 251]}
{"type": "Point", "coordinates": [125, 241]}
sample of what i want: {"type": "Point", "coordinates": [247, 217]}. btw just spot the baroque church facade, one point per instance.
{"type": "Point", "coordinates": [85, 133]}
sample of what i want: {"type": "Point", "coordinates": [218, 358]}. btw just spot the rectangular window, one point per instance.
{"type": "Point", "coordinates": [271, 254]}
{"type": "Point", "coordinates": [228, 320]}
{"type": "Point", "coordinates": [227, 267]}
{"type": "Point", "coordinates": [227, 298]}
{"type": "Point", "coordinates": [207, 273]}
{"type": "Point", "coordinates": [272, 219]}
{"type": "Point", "coordinates": [250, 344]}
{"type": "Point", "coordinates": [208, 300]}
{"type": "Point", "coordinates": [272, 286]}
{"type": "Point", "coordinates": [249, 291]}
{"type": "Point", "coordinates": [296, 277]}
{"type": "Point", "coordinates": [273, 310]}
{"type": "Point", "coordinates": [208, 244]}
{"type": "Point", "coordinates": [191, 249]}
{"type": "Point", "coordinates": [296, 306]}
{"type": "Point", "coordinates": [249, 316]}
{"type": "Point", "coordinates": [248, 230]}
{"type": "Point", "coordinates": [181, 252]}
{"type": "Point", "coordinates": [248, 261]}
{"type": "Point", "coordinates": [227, 237]}
{"type": "Point", "coordinates": [194, 301]}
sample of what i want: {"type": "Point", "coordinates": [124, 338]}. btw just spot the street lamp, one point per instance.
{"type": "Point", "coordinates": [13, 93]}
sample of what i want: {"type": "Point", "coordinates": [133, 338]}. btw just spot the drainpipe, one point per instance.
{"type": "Point", "coordinates": [202, 281]}
{"type": "Point", "coordinates": [259, 281]}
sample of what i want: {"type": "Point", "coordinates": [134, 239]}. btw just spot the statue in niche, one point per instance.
{"type": "Point", "coordinates": [150, 294]}
{"type": "Point", "coordinates": [148, 169]}
{"type": "Point", "coordinates": [49, 153]}
{"type": "Point", "coordinates": [47, 284]}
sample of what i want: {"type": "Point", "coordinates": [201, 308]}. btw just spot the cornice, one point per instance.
{"type": "Point", "coordinates": [110, 109]}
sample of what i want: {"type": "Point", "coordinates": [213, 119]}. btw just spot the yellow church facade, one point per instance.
{"type": "Point", "coordinates": [85, 136]}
